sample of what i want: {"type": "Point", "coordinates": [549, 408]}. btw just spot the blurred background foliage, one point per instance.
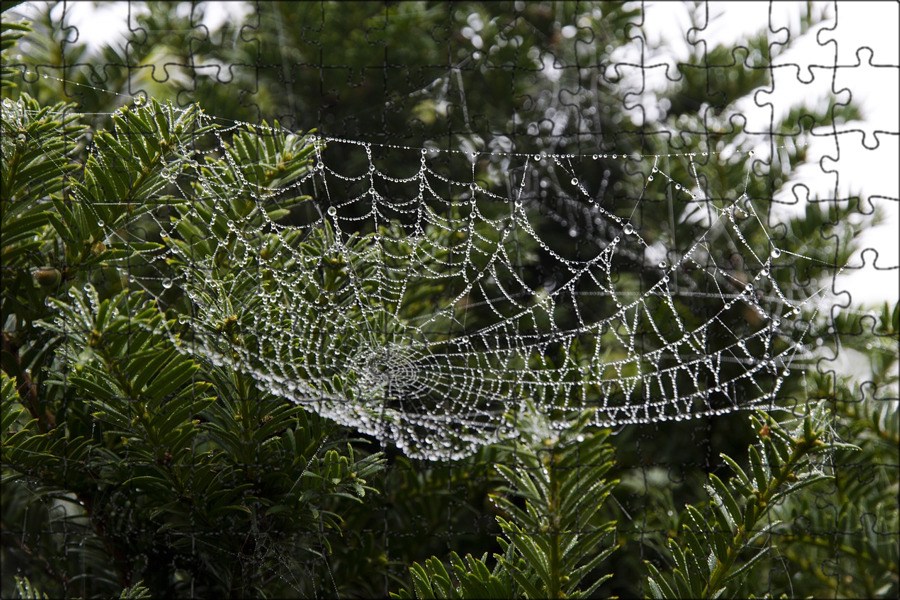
{"type": "Point", "coordinates": [99, 493]}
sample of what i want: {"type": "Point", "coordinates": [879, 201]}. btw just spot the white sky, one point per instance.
{"type": "Point", "coordinates": [872, 169]}
{"type": "Point", "coordinates": [866, 163]}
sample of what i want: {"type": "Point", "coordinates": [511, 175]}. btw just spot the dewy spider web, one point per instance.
{"type": "Point", "coordinates": [415, 306]}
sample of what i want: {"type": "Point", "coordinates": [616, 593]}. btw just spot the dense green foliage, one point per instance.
{"type": "Point", "coordinates": [132, 469]}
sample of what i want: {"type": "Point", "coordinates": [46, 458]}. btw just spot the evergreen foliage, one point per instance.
{"type": "Point", "coordinates": [552, 546]}
{"type": "Point", "coordinates": [130, 469]}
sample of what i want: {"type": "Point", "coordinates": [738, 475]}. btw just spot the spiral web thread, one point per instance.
{"type": "Point", "coordinates": [412, 306]}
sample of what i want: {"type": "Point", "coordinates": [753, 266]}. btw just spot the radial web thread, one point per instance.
{"type": "Point", "coordinates": [426, 305]}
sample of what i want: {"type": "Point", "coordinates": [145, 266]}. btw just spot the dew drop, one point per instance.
{"type": "Point", "coordinates": [332, 211]}
{"type": "Point", "coordinates": [650, 178]}
{"type": "Point", "coordinates": [628, 229]}
{"type": "Point", "coordinates": [574, 181]}
{"type": "Point", "coordinates": [663, 264]}
{"type": "Point", "coordinates": [615, 156]}
{"type": "Point", "coordinates": [167, 283]}
{"type": "Point", "coordinates": [751, 153]}
{"type": "Point", "coordinates": [595, 157]}
{"type": "Point", "coordinates": [776, 253]}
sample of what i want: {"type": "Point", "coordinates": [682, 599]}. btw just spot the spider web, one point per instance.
{"type": "Point", "coordinates": [416, 306]}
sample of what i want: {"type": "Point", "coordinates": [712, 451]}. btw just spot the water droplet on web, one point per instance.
{"type": "Point", "coordinates": [665, 279]}
{"type": "Point", "coordinates": [595, 157]}
{"type": "Point", "coordinates": [579, 438]}
{"type": "Point", "coordinates": [45, 76]}
{"type": "Point", "coordinates": [332, 211]}
{"type": "Point", "coordinates": [751, 153]}
{"type": "Point", "coordinates": [628, 229]}
{"type": "Point", "coordinates": [574, 181]}
{"type": "Point", "coordinates": [785, 373]}
{"type": "Point", "coordinates": [776, 253]}
{"type": "Point", "coordinates": [167, 283]}
{"type": "Point", "coordinates": [650, 178]}
{"type": "Point", "coordinates": [573, 232]}
{"type": "Point", "coordinates": [663, 264]}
